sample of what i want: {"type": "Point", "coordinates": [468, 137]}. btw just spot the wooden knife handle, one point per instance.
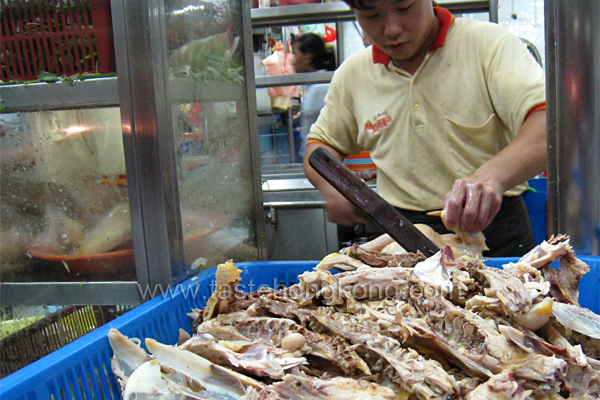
{"type": "Point", "coordinates": [370, 203]}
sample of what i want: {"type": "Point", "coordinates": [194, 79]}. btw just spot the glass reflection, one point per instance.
{"type": "Point", "coordinates": [64, 208]}
{"type": "Point", "coordinates": [212, 135]}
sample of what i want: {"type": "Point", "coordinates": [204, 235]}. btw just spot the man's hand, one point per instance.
{"type": "Point", "coordinates": [338, 209]}
{"type": "Point", "coordinates": [472, 203]}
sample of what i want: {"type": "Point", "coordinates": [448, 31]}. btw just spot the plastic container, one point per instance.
{"type": "Point", "coordinates": [64, 38]}
{"type": "Point", "coordinates": [535, 200]}
{"type": "Point", "coordinates": [539, 184]}
{"type": "Point", "coordinates": [51, 333]}
{"type": "Point", "coordinates": [81, 369]}
{"type": "Point", "coordinates": [536, 208]}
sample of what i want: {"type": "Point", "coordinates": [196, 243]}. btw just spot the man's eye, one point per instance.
{"type": "Point", "coordinates": [371, 16]}
{"type": "Point", "coordinates": [402, 9]}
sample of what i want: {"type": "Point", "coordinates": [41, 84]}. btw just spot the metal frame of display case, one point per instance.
{"type": "Point", "coordinates": [104, 92]}
{"type": "Point", "coordinates": [141, 92]}
{"type": "Point", "coordinates": [334, 12]}
{"type": "Point", "coordinates": [145, 101]}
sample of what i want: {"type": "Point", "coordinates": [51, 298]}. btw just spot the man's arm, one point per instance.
{"type": "Point", "coordinates": [474, 201]}
{"type": "Point", "coordinates": [338, 209]}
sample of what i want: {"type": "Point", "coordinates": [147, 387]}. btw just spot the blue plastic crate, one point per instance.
{"type": "Point", "coordinates": [81, 369]}
{"type": "Point", "coordinates": [536, 208]}
{"type": "Point", "coordinates": [539, 184]}
{"type": "Point", "coordinates": [535, 201]}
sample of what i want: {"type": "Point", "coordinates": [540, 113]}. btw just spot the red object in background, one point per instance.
{"type": "Point", "coordinates": [330, 35]}
{"type": "Point", "coordinates": [57, 38]}
{"type": "Point", "coordinates": [194, 115]}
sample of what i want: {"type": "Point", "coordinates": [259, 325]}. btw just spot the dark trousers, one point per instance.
{"type": "Point", "coordinates": [509, 235]}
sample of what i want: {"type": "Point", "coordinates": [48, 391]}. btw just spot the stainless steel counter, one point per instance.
{"type": "Point", "coordinates": [295, 222]}
{"type": "Point", "coordinates": [287, 186]}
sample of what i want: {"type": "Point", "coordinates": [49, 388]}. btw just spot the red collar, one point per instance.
{"type": "Point", "coordinates": [446, 19]}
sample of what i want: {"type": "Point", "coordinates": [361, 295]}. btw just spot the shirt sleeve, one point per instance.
{"type": "Point", "coordinates": [336, 125]}
{"type": "Point", "coordinates": [516, 82]}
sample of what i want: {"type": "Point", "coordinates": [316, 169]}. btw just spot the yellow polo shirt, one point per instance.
{"type": "Point", "coordinates": [462, 106]}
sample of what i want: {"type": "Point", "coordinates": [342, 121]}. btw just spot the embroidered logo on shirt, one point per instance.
{"type": "Point", "coordinates": [379, 121]}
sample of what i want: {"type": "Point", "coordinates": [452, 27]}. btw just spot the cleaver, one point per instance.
{"type": "Point", "coordinates": [370, 203]}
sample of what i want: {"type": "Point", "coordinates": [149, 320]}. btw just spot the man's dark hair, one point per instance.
{"type": "Point", "coordinates": [364, 4]}
{"type": "Point", "coordinates": [359, 4]}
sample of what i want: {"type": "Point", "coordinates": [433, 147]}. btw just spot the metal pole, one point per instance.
{"type": "Point", "coordinates": [252, 117]}
{"type": "Point", "coordinates": [575, 186]}
{"type": "Point", "coordinates": [551, 111]}
{"type": "Point", "coordinates": [493, 11]}
{"type": "Point", "coordinates": [148, 140]}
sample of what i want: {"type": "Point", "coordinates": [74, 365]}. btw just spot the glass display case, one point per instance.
{"type": "Point", "coordinates": [115, 189]}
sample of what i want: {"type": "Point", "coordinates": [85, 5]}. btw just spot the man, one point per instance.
{"type": "Point", "coordinates": [453, 114]}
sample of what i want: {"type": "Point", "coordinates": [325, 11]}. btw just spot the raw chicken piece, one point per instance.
{"type": "Point", "coordinates": [273, 330]}
{"type": "Point", "coordinates": [463, 243]}
{"type": "Point", "coordinates": [226, 280]}
{"type": "Point", "coordinates": [499, 387]}
{"type": "Point", "coordinates": [259, 359]}
{"type": "Point", "coordinates": [379, 259]}
{"type": "Point", "coordinates": [303, 387]}
{"type": "Point", "coordinates": [217, 381]}
{"type": "Point", "coordinates": [147, 382]}
{"type": "Point", "coordinates": [62, 233]}
{"type": "Point", "coordinates": [127, 355]}
{"type": "Point", "coordinates": [110, 232]}
{"type": "Point", "coordinates": [578, 319]}
{"type": "Point", "coordinates": [340, 262]}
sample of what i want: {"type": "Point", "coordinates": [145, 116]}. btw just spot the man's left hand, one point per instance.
{"type": "Point", "coordinates": [472, 203]}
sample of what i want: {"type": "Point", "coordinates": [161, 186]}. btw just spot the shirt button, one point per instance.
{"type": "Point", "coordinates": [417, 107]}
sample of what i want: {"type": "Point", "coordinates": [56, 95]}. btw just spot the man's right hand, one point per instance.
{"type": "Point", "coordinates": [339, 210]}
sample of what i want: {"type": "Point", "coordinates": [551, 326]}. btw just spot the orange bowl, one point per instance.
{"type": "Point", "coordinates": [109, 262]}
{"type": "Point", "coordinates": [197, 226]}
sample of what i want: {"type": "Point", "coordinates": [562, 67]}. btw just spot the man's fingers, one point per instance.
{"type": "Point", "coordinates": [489, 205]}
{"type": "Point", "coordinates": [471, 210]}
{"type": "Point", "coordinates": [454, 204]}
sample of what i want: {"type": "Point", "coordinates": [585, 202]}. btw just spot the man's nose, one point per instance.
{"type": "Point", "coordinates": [394, 25]}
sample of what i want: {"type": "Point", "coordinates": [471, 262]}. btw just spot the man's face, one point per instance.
{"type": "Point", "coordinates": [403, 29]}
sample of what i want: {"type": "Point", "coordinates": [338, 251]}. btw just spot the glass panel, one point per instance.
{"type": "Point", "coordinates": [282, 129]}
{"type": "Point", "coordinates": [212, 133]}
{"type": "Point", "coordinates": [64, 206]}
{"type": "Point", "coordinates": [282, 110]}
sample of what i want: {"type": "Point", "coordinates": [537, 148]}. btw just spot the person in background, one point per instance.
{"type": "Point", "coordinates": [452, 111]}
{"type": "Point", "coordinates": [311, 55]}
